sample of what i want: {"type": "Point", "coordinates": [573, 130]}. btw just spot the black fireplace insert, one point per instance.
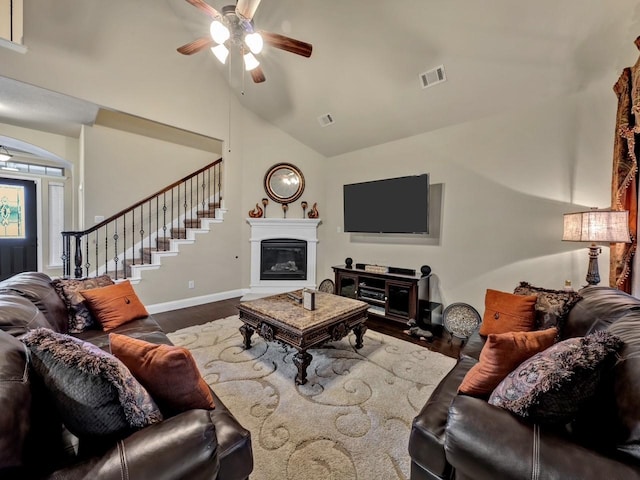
{"type": "Point", "coordinates": [283, 259]}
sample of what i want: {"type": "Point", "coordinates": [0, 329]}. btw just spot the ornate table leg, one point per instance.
{"type": "Point", "coordinates": [302, 361]}
{"type": "Point", "coordinates": [246, 332]}
{"type": "Point", "coordinates": [359, 331]}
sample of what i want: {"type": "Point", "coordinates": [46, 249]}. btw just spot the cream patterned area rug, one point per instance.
{"type": "Point", "coordinates": [352, 418]}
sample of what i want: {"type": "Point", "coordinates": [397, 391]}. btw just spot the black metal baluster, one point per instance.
{"type": "Point", "coordinates": [78, 257]}
{"type": "Point", "coordinates": [115, 247]}
{"type": "Point", "coordinates": [185, 205]}
{"type": "Point", "coordinates": [172, 217]}
{"type": "Point", "coordinates": [142, 234]}
{"type": "Point", "coordinates": [66, 255]}
{"type": "Point", "coordinates": [157, 221]}
{"type": "Point", "coordinates": [178, 208]}
{"type": "Point", "coordinates": [219, 189]}
{"type": "Point", "coordinates": [204, 199]}
{"type": "Point", "coordinates": [133, 237]}
{"type": "Point", "coordinates": [149, 232]}
{"type": "Point", "coordinates": [124, 246]}
{"type": "Point", "coordinates": [164, 220]}
{"type": "Point", "coordinates": [106, 251]}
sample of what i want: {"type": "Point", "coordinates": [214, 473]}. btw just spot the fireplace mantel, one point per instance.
{"type": "Point", "coordinates": [293, 228]}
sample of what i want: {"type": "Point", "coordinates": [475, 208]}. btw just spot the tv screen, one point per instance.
{"type": "Point", "coordinates": [393, 205]}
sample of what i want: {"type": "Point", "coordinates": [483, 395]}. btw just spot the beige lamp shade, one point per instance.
{"type": "Point", "coordinates": [595, 225]}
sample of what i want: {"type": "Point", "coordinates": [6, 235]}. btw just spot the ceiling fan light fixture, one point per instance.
{"type": "Point", "coordinates": [4, 154]}
{"type": "Point", "coordinates": [221, 52]}
{"type": "Point", "coordinates": [254, 42]}
{"type": "Point", "coordinates": [219, 32]}
{"type": "Point", "coordinates": [250, 62]}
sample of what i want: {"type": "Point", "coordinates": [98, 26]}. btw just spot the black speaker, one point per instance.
{"type": "Point", "coordinates": [402, 271]}
{"type": "Point", "coordinates": [425, 270]}
{"type": "Point", "coordinates": [348, 262]}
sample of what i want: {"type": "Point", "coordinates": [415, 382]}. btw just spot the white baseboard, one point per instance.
{"type": "Point", "coordinates": [193, 301]}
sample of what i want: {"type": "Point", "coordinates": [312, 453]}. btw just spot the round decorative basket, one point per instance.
{"type": "Point", "coordinates": [326, 286]}
{"type": "Point", "coordinates": [460, 319]}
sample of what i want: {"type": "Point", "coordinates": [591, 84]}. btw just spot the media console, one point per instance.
{"type": "Point", "coordinates": [398, 297]}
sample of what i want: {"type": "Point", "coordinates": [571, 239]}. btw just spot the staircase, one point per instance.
{"type": "Point", "coordinates": [136, 238]}
{"type": "Point", "coordinates": [169, 245]}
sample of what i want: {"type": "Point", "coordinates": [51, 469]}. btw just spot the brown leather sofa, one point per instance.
{"type": "Point", "coordinates": [462, 437]}
{"type": "Point", "coordinates": [196, 444]}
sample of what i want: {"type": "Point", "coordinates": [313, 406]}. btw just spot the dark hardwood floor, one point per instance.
{"type": "Point", "coordinates": [186, 317]}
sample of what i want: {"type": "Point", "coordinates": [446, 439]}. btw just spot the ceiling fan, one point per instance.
{"type": "Point", "coordinates": [233, 27]}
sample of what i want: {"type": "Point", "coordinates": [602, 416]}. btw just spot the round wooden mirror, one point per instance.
{"type": "Point", "coordinates": [284, 183]}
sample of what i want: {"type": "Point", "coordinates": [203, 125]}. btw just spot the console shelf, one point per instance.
{"type": "Point", "coordinates": [393, 297]}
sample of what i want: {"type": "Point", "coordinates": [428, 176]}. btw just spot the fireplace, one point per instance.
{"type": "Point", "coordinates": [283, 259]}
{"type": "Point", "coordinates": [283, 254]}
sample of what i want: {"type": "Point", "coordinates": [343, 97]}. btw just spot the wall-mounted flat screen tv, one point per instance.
{"type": "Point", "coordinates": [392, 205]}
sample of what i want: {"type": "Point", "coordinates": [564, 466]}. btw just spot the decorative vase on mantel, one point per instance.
{"type": "Point", "coordinates": [313, 213]}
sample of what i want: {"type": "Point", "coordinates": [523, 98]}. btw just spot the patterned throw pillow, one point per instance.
{"type": "Point", "coordinates": [500, 355]}
{"type": "Point", "coordinates": [505, 312]}
{"type": "Point", "coordinates": [168, 372]}
{"type": "Point", "coordinates": [552, 386]}
{"type": "Point", "coordinates": [94, 393]}
{"type": "Point", "coordinates": [80, 317]}
{"type": "Point", "coordinates": [552, 306]}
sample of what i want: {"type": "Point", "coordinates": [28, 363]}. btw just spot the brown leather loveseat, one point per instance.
{"type": "Point", "coordinates": [463, 437]}
{"type": "Point", "coordinates": [194, 444]}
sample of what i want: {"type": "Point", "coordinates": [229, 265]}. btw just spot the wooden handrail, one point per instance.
{"type": "Point", "coordinates": [144, 200]}
{"type": "Point", "coordinates": [78, 249]}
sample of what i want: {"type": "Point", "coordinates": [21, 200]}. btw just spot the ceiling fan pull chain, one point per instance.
{"type": "Point", "coordinates": [244, 73]}
{"type": "Point", "coordinates": [229, 104]}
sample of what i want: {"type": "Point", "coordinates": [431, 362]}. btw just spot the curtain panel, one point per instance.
{"type": "Point", "coordinates": [624, 185]}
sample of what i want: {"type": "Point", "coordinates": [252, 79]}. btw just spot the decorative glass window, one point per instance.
{"type": "Point", "coordinates": [33, 169]}
{"type": "Point", "coordinates": [12, 211]}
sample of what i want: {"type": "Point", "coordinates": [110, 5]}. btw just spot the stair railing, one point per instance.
{"type": "Point", "coordinates": [121, 240]}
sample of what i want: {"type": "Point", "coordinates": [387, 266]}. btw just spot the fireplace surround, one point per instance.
{"type": "Point", "coordinates": [283, 231]}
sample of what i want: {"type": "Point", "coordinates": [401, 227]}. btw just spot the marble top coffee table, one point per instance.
{"type": "Point", "coordinates": [280, 318]}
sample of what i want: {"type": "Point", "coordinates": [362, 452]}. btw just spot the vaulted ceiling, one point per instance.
{"type": "Point", "coordinates": [498, 55]}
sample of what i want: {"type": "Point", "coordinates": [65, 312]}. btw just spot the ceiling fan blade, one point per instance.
{"type": "Point", "coordinates": [257, 75]}
{"type": "Point", "coordinates": [195, 46]}
{"type": "Point", "coordinates": [246, 9]}
{"type": "Point", "coordinates": [287, 43]}
{"type": "Point", "coordinates": [205, 7]}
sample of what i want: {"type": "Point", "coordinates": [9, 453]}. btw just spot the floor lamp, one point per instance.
{"type": "Point", "coordinates": [603, 226]}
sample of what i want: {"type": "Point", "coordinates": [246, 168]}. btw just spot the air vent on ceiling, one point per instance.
{"type": "Point", "coordinates": [432, 77]}
{"type": "Point", "coordinates": [326, 120]}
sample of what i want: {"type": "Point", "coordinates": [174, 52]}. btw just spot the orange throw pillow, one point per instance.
{"type": "Point", "coordinates": [501, 354]}
{"type": "Point", "coordinates": [169, 373]}
{"type": "Point", "coordinates": [507, 312]}
{"type": "Point", "coordinates": [114, 305]}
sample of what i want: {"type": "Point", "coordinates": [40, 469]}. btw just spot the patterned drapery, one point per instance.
{"type": "Point", "coordinates": [624, 183]}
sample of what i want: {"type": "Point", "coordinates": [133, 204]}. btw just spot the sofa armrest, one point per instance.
{"type": "Point", "coordinates": [181, 447]}
{"type": "Point", "coordinates": [473, 345]}
{"type": "Point", "coordinates": [486, 442]}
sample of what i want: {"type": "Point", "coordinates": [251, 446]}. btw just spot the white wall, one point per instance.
{"type": "Point", "coordinates": [264, 146]}
{"type": "Point", "coordinates": [125, 167]}
{"type": "Point", "coordinates": [506, 182]}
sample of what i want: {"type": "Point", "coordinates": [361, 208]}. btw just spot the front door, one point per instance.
{"type": "Point", "coordinates": [18, 225]}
